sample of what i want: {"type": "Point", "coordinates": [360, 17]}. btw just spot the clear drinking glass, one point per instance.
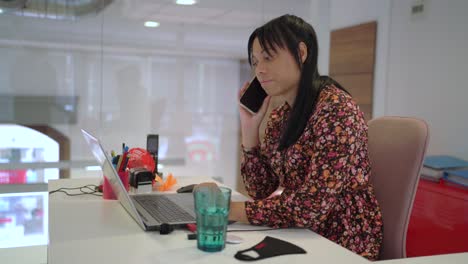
{"type": "Point", "coordinates": [212, 209]}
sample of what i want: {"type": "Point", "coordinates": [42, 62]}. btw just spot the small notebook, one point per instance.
{"type": "Point", "coordinates": [459, 177]}
{"type": "Point", "coordinates": [444, 162]}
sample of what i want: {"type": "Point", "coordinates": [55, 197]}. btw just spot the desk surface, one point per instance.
{"type": "Point", "coordinates": [89, 229]}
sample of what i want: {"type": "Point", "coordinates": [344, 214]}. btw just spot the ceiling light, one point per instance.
{"type": "Point", "coordinates": [186, 2]}
{"type": "Point", "coordinates": [1, 11]}
{"type": "Point", "coordinates": [152, 24]}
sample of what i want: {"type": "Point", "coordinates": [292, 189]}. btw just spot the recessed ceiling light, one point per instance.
{"type": "Point", "coordinates": [186, 2]}
{"type": "Point", "coordinates": [152, 24]}
{"type": "Point", "coordinates": [1, 11]}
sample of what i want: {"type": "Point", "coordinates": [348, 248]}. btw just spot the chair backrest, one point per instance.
{"type": "Point", "coordinates": [397, 146]}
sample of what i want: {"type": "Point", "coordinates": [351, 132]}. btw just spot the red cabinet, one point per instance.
{"type": "Point", "coordinates": [439, 220]}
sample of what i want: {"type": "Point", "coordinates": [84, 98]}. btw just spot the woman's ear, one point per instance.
{"type": "Point", "coordinates": [302, 51]}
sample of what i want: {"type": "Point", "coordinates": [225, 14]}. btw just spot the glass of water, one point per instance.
{"type": "Point", "coordinates": [212, 209]}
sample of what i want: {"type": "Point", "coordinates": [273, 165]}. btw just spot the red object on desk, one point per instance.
{"type": "Point", "coordinates": [439, 220]}
{"type": "Point", "coordinates": [107, 192]}
{"type": "Point", "coordinates": [140, 158]}
{"type": "Point", "coordinates": [192, 227]}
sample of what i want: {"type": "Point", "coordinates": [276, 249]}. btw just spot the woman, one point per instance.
{"type": "Point", "coordinates": [315, 145]}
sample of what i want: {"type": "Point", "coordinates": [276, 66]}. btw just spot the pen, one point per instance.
{"type": "Point", "coordinates": [122, 161]}
{"type": "Point", "coordinates": [119, 163]}
{"type": "Point", "coordinates": [115, 161]}
{"type": "Point", "coordinates": [124, 167]}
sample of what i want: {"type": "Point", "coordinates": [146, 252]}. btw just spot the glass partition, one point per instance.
{"type": "Point", "coordinates": [98, 65]}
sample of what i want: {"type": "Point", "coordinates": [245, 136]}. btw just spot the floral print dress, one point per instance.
{"type": "Point", "coordinates": [325, 176]}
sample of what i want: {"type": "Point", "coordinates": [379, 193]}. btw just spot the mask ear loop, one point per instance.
{"type": "Point", "coordinates": [241, 256]}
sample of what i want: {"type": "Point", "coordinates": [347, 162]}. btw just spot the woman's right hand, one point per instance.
{"type": "Point", "coordinates": [250, 123]}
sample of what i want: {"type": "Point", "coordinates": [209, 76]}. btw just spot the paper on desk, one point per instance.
{"type": "Point", "coordinates": [165, 185]}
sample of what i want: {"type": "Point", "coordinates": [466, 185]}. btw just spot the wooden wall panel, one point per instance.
{"type": "Point", "coordinates": [352, 59]}
{"type": "Point", "coordinates": [367, 110]}
{"type": "Point", "coordinates": [358, 85]}
{"type": "Point", "coordinates": [352, 49]}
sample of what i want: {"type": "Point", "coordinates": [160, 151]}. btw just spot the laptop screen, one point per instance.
{"type": "Point", "coordinates": [111, 174]}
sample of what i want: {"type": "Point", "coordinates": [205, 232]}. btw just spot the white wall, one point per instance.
{"type": "Point", "coordinates": [319, 18]}
{"type": "Point", "coordinates": [420, 65]}
{"type": "Point", "coordinates": [427, 71]}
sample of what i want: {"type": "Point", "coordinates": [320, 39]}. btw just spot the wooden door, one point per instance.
{"type": "Point", "coordinates": [352, 59]}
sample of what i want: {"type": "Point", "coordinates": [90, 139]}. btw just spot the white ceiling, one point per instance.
{"type": "Point", "coordinates": [217, 27]}
{"type": "Point", "coordinates": [236, 13]}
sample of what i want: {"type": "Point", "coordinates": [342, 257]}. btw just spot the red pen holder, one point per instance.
{"type": "Point", "coordinates": [107, 192]}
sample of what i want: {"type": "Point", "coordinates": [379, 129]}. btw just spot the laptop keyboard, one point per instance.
{"type": "Point", "coordinates": [163, 209]}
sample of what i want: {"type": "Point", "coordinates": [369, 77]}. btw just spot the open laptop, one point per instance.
{"type": "Point", "coordinates": [151, 210]}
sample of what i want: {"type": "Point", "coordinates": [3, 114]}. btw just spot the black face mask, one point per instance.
{"type": "Point", "coordinates": [269, 247]}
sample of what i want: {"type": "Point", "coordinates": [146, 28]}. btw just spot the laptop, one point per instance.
{"type": "Point", "coordinates": [150, 210]}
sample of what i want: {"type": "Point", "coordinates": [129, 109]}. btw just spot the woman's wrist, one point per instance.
{"type": "Point", "coordinates": [250, 140]}
{"type": "Point", "coordinates": [249, 143]}
{"type": "Point", "coordinates": [248, 149]}
{"type": "Point", "coordinates": [237, 212]}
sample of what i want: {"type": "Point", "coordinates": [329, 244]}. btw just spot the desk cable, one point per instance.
{"type": "Point", "coordinates": [90, 189]}
{"type": "Point", "coordinates": [193, 236]}
{"type": "Point", "coordinates": [264, 229]}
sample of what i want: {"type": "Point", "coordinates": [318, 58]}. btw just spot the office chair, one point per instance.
{"type": "Point", "coordinates": [397, 146]}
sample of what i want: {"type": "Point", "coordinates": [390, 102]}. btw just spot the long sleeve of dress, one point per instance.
{"type": "Point", "coordinates": [258, 177]}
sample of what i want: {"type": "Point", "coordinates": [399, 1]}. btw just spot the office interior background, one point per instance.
{"type": "Point", "coordinates": [67, 65]}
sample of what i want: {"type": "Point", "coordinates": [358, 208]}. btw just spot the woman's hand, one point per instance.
{"type": "Point", "coordinates": [250, 123]}
{"type": "Point", "coordinates": [237, 212]}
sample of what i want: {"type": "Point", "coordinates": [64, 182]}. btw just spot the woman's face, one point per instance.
{"type": "Point", "coordinates": [279, 73]}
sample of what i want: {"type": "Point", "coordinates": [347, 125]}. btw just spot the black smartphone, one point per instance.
{"type": "Point", "coordinates": [253, 97]}
{"type": "Point", "coordinates": [152, 145]}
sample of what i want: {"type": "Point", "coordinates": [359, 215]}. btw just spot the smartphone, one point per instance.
{"type": "Point", "coordinates": [253, 97]}
{"type": "Point", "coordinates": [152, 145]}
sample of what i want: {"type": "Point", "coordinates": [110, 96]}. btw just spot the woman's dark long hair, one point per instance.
{"type": "Point", "coordinates": [286, 32]}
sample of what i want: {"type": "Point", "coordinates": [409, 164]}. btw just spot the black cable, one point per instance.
{"type": "Point", "coordinates": [193, 236]}
{"type": "Point", "coordinates": [265, 229]}
{"type": "Point", "coordinates": [249, 230]}
{"type": "Point", "coordinates": [84, 190]}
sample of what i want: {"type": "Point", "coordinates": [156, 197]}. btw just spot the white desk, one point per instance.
{"type": "Point", "coordinates": [91, 230]}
